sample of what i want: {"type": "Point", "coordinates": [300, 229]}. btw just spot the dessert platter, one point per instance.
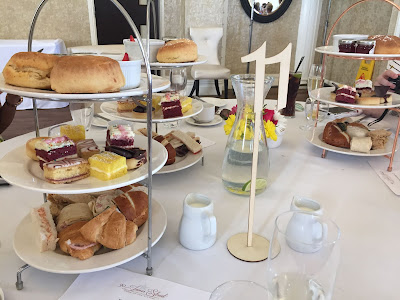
{"type": "Point", "coordinates": [59, 262]}
{"type": "Point", "coordinates": [332, 51]}
{"type": "Point", "coordinates": [20, 170]}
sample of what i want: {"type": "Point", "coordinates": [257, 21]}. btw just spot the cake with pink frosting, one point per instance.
{"type": "Point", "coordinates": [171, 105]}
{"type": "Point", "coordinates": [121, 136]}
{"type": "Point", "coordinates": [55, 149]}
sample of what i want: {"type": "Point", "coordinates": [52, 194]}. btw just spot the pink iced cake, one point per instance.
{"type": "Point", "coordinates": [346, 94]}
{"type": "Point", "coordinates": [171, 105]}
{"type": "Point", "coordinates": [120, 136]}
{"type": "Point", "coordinates": [55, 149]}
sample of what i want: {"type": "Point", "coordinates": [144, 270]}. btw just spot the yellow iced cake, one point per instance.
{"type": "Point", "coordinates": [107, 165]}
{"type": "Point", "coordinates": [75, 133]}
{"type": "Point", "coordinates": [186, 103]}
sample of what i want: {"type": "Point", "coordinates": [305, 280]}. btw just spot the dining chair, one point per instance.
{"type": "Point", "coordinates": [207, 40]}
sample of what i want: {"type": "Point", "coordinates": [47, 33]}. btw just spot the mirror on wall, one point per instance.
{"type": "Point", "coordinates": [266, 11]}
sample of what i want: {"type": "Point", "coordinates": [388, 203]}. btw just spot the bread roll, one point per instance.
{"type": "Point", "coordinates": [30, 69]}
{"type": "Point", "coordinates": [356, 130]}
{"type": "Point", "coordinates": [177, 51]}
{"type": "Point", "coordinates": [93, 229]}
{"type": "Point", "coordinates": [379, 138]}
{"type": "Point", "coordinates": [86, 74]}
{"type": "Point", "coordinates": [361, 144]}
{"type": "Point", "coordinates": [334, 136]}
{"type": "Point", "coordinates": [386, 44]}
{"type": "Point", "coordinates": [30, 147]}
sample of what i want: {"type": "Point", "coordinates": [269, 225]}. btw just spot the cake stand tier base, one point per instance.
{"type": "Point", "coordinates": [237, 246]}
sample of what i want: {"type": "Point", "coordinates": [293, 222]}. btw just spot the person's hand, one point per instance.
{"type": "Point", "coordinates": [13, 100]}
{"type": "Point", "coordinates": [383, 79]}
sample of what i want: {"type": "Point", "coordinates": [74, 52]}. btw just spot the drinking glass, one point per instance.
{"type": "Point", "coordinates": [239, 290]}
{"type": "Point", "coordinates": [178, 78]}
{"type": "Point", "coordinates": [314, 78]}
{"type": "Point", "coordinates": [82, 114]}
{"type": "Point", "coordinates": [303, 257]}
{"type": "Point", "coordinates": [293, 88]}
{"type": "Point", "coordinates": [308, 111]}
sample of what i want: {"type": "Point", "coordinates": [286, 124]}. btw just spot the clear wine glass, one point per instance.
{"type": "Point", "coordinates": [303, 257]}
{"type": "Point", "coordinates": [308, 111]}
{"type": "Point", "coordinates": [314, 78]}
{"type": "Point", "coordinates": [239, 290]}
{"type": "Point", "coordinates": [178, 78]}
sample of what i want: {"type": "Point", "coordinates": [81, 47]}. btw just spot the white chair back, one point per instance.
{"type": "Point", "coordinates": [207, 40]}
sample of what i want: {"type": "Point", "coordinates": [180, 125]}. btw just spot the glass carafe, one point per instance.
{"type": "Point", "coordinates": [238, 156]}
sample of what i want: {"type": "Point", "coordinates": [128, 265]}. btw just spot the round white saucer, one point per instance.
{"type": "Point", "coordinates": [216, 121]}
{"type": "Point", "coordinates": [215, 101]}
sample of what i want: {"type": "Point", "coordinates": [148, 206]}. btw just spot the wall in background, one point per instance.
{"type": "Point", "coordinates": [67, 20]}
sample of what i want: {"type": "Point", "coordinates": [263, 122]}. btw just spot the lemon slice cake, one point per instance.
{"type": "Point", "coordinates": [186, 103]}
{"type": "Point", "coordinates": [107, 165]}
{"type": "Point", "coordinates": [75, 133]}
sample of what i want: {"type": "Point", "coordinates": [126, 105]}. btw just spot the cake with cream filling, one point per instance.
{"type": "Point", "coordinates": [87, 148]}
{"type": "Point", "coordinates": [107, 165]}
{"type": "Point", "coordinates": [120, 136]}
{"type": "Point", "coordinates": [171, 105]}
{"type": "Point", "coordinates": [66, 170]}
{"type": "Point", "coordinates": [363, 86]}
{"type": "Point", "coordinates": [346, 94]}
{"type": "Point", "coordinates": [54, 149]}
{"type": "Point", "coordinates": [135, 157]}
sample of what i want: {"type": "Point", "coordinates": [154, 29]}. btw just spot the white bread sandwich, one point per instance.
{"type": "Point", "coordinates": [73, 213]}
{"type": "Point", "coordinates": [44, 228]}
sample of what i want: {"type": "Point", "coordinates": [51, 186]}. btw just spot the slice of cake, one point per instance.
{"type": "Point", "coordinates": [87, 148]}
{"type": "Point", "coordinates": [126, 105]}
{"type": "Point", "coordinates": [107, 165]}
{"type": "Point", "coordinates": [346, 94]}
{"type": "Point", "coordinates": [66, 170]}
{"type": "Point", "coordinates": [186, 103]}
{"type": "Point", "coordinates": [75, 133]}
{"type": "Point", "coordinates": [135, 157]}
{"type": "Point", "coordinates": [54, 149]}
{"type": "Point", "coordinates": [171, 105]}
{"type": "Point", "coordinates": [363, 86]}
{"type": "Point", "coordinates": [120, 136]}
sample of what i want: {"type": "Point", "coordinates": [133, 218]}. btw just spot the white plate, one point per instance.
{"type": "Point", "coordinates": [216, 121]}
{"type": "Point", "coordinates": [110, 108]}
{"type": "Point", "coordinates": [324, 95]}
{"type": "Point", "coordinates": [315, 138]}
{"type": "Point", "coordinates": [159, 84]}
{"type": "Point", "coordinates": [182, 163]}
{"type": "Point", "coordinates": [201, 59]}
{"type": "Point", "coordinates": [330, 50]}
{"type": "Point", "coordinates": [18, 169]}
{"type": "Point", "coordinates": [215, 101]}
{"type": "Point", "coordinates": [59, 262]}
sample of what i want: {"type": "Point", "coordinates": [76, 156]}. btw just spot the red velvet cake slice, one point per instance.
{"type": "Point", "coordinates": [171, 105]}
{"type": "Point", "coordinates": [121, 136]}
{"type": "Point", "coordinates": [54, 149]}
{"type": "Point", "coordinates": [346, 94]}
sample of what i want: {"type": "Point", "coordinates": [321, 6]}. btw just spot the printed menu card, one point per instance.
{"type": "Point", "coordinates": [120, 284]}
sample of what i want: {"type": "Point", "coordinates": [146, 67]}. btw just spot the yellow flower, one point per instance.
{"type": "Point", "coordinates": [270, 130]}
{"type": "Point", "coordinates": [228, 124]}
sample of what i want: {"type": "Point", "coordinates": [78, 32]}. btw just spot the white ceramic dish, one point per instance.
{"type": "Point", "coordinates": [182, 163]}
{"type": "Point", "coordinates": [201, 59]}
{"type": "Point", "coordinates": [131, 71]}
{"type": "Point", "coordinates": [59, 262]}
{"type": "Point", "coordinates": [324, 95]}
{"type": "Point", "coordinates": [331, 50]}
{"type": "Point", "coordinates": [18, 169]}
{"type": "Point", "coordinates": [110, 108]}
{"type": "Point", "coordinates": [159, 84]}
{"type": "Point", "coordinates": [217, 120]}
{"type": "Point", "coordinates": [315, 138]}
{"type": "Point", "coordinates": [216, 101]}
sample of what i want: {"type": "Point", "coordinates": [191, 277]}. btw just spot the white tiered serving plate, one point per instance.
{"type": "Point", "coordinates": [110, 108]}
{"type": "Point", "coordinates": [201, 59]}
{"type": "Point", "coordinates": [59, 262]}
{"type": "Point", "coordinates": [324, 95]}
{"type": "Point", "coordinates": [18, 169]}
{"type": "Point", "coordinates": [315, 137]}
{"type": "Point", "coordinates": [182, 163]}
{"type": "Point", "coordinates": [159, 84]}
{"type": "Point", "coordinates": [331, 50]}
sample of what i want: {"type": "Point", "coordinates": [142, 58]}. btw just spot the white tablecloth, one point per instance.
{"type": "Point", "coordinates": [350, 192]}
{"type": "Point", "coordinates": [9, 47]}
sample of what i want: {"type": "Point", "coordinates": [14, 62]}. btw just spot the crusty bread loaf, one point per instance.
{"type": "Point", "coordinates": [86, 74]}
{"type": "Point", "coordinates": [30, 147]}
{"type": "Point", "coordinates": [334, 136]}
{"type": "Point", "coordinates": [131, 229]}
{"type": "Point", "coordinates": [386, 44]}
{"type": "Point", "coordinates": [177, 51]}
{"type": "Point", "coordinates": [30, 69]}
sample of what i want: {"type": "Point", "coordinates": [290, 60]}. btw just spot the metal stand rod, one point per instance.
{"type": "Point", "coordinates": [20, 284]}
{"type": "Point", "coordinates": [250, 32]}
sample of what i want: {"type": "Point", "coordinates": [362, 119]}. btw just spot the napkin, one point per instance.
{"type": "Point", "coordinates": [120, 284]}
{"type": "Point", "coordinates": [391, 179]}
{"type": "Point", "coordinates": [205, 142]}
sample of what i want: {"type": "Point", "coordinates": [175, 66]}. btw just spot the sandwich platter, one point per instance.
{"type": "Point", "coordinates": [110, 109]}
{"type": "Point", "coordinates": [331, 50]}
{"type": "Point", "coordinates": [59, 262]}
{"type": "Point", "coordinates": [315, 138]}
{"type": "Point", "coordinates": [158, 84]}
{"type": "Point", "coordinates": [182, 163]}
{"type": "Point", "coordinates": [18, 169]}
{"type": "Point", "coordinates": [201, 59]}
{"type": "Point", "coordinates": [324, 95]}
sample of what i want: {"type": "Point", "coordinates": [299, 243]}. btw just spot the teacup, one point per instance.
{"type": "Point", "coordinates": [207, 114]}
{"type": "Point", "coordinates": [198, 226]}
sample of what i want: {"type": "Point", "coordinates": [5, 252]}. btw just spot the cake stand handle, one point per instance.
{"type": "Point", "coordinates": [20, 284]}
